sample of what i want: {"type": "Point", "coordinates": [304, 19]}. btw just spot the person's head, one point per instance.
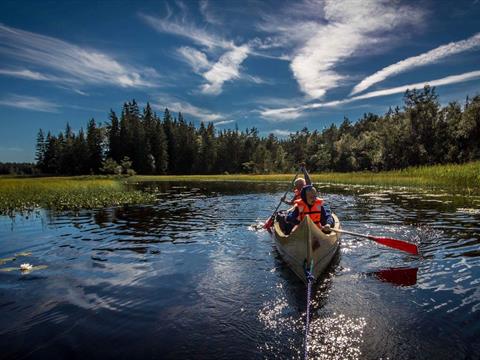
{"type": "Point", "coordinates": [309, 194]}
{"type": "Point", "coordinates": [299, 183]}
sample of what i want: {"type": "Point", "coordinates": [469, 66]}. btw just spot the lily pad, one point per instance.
{"type": "Point", "coordinates": [5, 260]}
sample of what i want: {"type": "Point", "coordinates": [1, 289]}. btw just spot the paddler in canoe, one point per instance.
{"type": "Point", "coordinates": [308, 204]}
{"type": "Point", "coordinates": [298, 186]}
{"type": "Point", "coordinates": [305, 202]}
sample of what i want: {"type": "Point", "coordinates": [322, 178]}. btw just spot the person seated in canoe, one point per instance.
{"type": "Point", "coordinates": [298, 186]}
{"type": "Point", "coordinates": [309, 204]}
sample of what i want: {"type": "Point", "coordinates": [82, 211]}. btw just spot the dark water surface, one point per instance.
{"type": "Point", "coordinates": [189, 278]}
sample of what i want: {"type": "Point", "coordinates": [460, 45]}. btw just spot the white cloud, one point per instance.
{"type": "Point", "coordinates": [70, 63]}
{"type": "Point", "coordinates": [256, 79]}
{"type": "Point", "coordinates": [324, 34]}
{"type": "Point", "coordinates": [26, 74]}
{"type": "Point", "coordinates": [429, 57]}
{"type": "Point", "coordinates": [291, 113]}
{"type": "Point", "coordinates": [226, 69]}
{"type": "Point", "coordinates": [453, 79]}
{"type": "Point", "coordinates": [216, 74]}
{"type": "Point", "coordinates": [208, 14]}
{"type": "Point", "coordinates": [196, 59]}
{"type": "Point", "coordinates": [281, 133]}
{"type": "Point", "coordinates": [224, 122]}
{"type": "Point", "coordinates": [281, 114]}
{"type": "Point", "coordinates": [181, 27]}
{"type": "Point", "coordinates": [184, 107]}
{"type": "Point", "coordinates": [29, 103]}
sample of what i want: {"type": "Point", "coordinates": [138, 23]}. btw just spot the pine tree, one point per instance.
{"type": "Point", "coordinates": [81, 154]}
{"type": "Point", "coordinates": [160, 148]}
{"type": "Point", "coordinates": [52, 155]}
{"type": "Point", "coordinates": [40, 151]}
{"type": "Point", "coordinates": [114, 140]}
{"type": "Point", "coordinates": [169, 129]}
{"type": "Point", "coordinates": [94, 143]}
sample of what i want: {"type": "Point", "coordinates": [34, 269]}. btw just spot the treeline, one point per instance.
{"type": "Point", "coordinates": [421, 133]}
{"type": "Point", "coordinates": [14, 168]}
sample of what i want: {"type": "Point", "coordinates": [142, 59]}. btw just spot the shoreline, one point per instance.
{"type": "Point", "coordinates": [19, 194]}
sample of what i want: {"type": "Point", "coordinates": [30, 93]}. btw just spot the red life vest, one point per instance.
{"type": "Point", "coordinates": [314, 211]}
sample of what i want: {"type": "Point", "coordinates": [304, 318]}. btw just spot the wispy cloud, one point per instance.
{"type": "Point", "coordinates": [195, 58]}
{"type": "Point", "coordinates": [453, 79]}
{"type": "Point", "coordinates": [225, 122]}
{"type": "Point", "coordinates": [429, 57]}
{"type": "Point", "coordinates": [281, 114]}
{"type": "Point", "coordinates": [27, 74]}
{"type": "Point", "coordinates": [29, 103]}
{"type": "Point", "coordinates": [225, 69]}
{"type": "Point", "coordinates": [292, 113]}
{"type": "Point", "coordinates": [69, 63]}
{"type": "Point", "coordinates": [280, 133]}
{"type": "Point", "coordinates": [324, 34]}
{"type": "Point", "coordinates": [186, 29]}
{"type": "Point", "coordinates": [208, 14]}
{"type": "Point", "coordinates": [184, 107]}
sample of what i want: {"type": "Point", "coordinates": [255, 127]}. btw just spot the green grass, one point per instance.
{"type": "Point", "coordinates": [62, 193]}
{"type": "Point", "coordinates": [464, 176]}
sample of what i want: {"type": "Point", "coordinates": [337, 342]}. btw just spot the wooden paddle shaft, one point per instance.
{"type": "Point", "coordinates": [352, 233]}
{"type": "Point", "coordinates": [286, 192]}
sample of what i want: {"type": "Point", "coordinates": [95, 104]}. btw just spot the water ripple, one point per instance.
{"type": "Point", "coordinates": [192, 276]}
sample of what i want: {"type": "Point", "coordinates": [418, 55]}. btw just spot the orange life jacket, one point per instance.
{"type": "Point", "coordinates": [315, 211]}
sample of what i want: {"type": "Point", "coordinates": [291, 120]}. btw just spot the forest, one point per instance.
{"type": "Point", "coordinates": [422, 132]}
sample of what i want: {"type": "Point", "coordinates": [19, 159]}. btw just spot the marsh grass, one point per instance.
{"type": "Point", "coordinates": [73, 193]}
{"type": "Point", "coordinates": [65, 193]}
{"type": "Point", "coordinates": [464, 177]}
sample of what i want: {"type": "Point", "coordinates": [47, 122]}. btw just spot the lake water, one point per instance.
{"type": "Point", "coordinates": [190, 278]}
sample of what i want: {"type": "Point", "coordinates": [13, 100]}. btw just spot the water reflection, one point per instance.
{"type": "Point", "coordinates": [188, 277]}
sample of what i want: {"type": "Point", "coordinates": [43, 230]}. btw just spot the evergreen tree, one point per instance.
{"type": "Point", "coordinates": [81, 152]}
{"type": "Point", "coordinates": [169, 129]}
{"type": "Point", "coordinates": [52, 155]}
{"type": "Point", "coordinates": [40, 151]}
{"type": "Point", "coordinates": [114, 139]}
{"type": "Point", "coordinates": [206, 158]}
{"type": "Point", "coordinates": [94, 143]}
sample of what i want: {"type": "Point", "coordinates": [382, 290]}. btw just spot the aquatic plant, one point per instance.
{"type": "Point", "coordinates": [66, 193]}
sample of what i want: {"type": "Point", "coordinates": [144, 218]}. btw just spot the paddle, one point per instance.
{"type": "Point", "coordinates": [268, 224]}
{"type": "Point", "coordinates": [390, 242]}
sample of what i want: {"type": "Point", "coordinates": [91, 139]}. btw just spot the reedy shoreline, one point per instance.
{"type": "Point", "coordinates": [463, 176]}
{"type": "Point", "coordinates": [74, 193]}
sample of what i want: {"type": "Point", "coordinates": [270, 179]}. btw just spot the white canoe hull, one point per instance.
{"type": "Point", "coordinates": [307, 244]}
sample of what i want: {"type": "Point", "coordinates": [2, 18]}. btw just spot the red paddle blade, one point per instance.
{"type": "Point", "coordinates": [398, 276]}
{"type": "Point", "coordinates": [269, 223]}
{"type": "Point", "coordinates": [396, 244]}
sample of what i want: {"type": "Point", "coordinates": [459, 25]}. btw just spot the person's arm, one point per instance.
{"type": "Point", "coordinates": [326, 216]}
{"type": "Point", "coordinates": [292, 216]}
{"type": "Point", "coordinates": [288, 202]}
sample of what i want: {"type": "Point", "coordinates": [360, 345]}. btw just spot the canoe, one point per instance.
{"type": "Point", "coordinates": [307, 244]}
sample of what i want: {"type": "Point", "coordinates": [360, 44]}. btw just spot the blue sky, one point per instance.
{"type": "Point", "coordinates": [279, 66]}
